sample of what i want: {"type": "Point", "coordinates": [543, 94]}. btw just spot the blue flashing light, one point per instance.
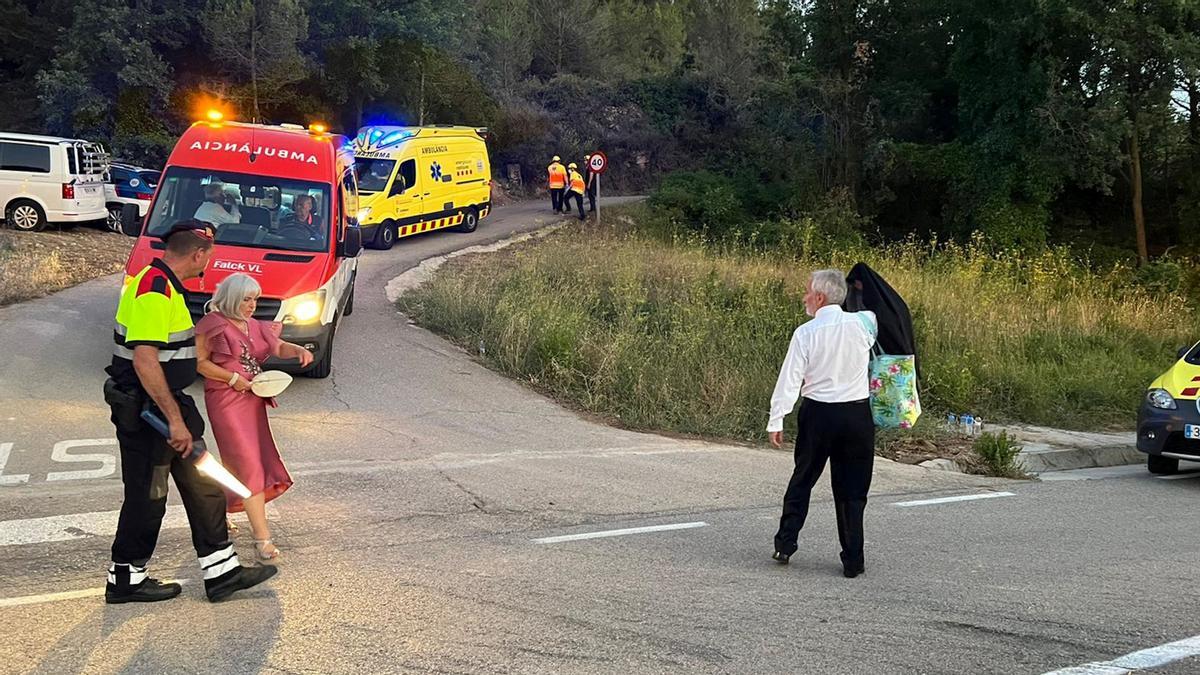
{"type": "Point", "coordinates": [395, 137]}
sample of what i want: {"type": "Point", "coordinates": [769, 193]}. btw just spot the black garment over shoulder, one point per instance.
{"type": "Point", "coordinates": [869, 291]}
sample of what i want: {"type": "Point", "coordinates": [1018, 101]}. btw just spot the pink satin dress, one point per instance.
{"type": "Point", "coordinates": [239, 419]}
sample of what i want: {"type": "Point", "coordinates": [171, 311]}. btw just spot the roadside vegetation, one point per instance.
{"type": "Point", "coordinates": [665, 327]}
{"type": "Point", "coordinates": [33, 264]}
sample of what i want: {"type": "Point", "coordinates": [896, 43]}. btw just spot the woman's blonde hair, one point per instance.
{"type": "Point", "coordinates": [231, 292]}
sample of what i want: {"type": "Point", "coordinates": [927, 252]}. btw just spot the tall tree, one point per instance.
{"type": "Point", "coordinates": [506, 41]}
{"type": "Point", "coordinates": [258, 42]}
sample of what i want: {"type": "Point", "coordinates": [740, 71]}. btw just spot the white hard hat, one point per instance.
{"type": "Point", "coordinates": [270, 383]}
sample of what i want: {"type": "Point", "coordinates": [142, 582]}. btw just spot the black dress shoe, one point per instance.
{"type": "Point", "coordinates": [781, 558]}
{"type": "Point", "coordinates": [150, 590]}
{"type": "Point", "coordinates": [852, 571]}
{"type": "Point", "coordinates": [236, 580]}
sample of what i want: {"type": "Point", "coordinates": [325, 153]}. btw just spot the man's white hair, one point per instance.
{"type": "Point", "coordinates": [231, 292]}
{"type": "Point", "coordinates": [831, 284]}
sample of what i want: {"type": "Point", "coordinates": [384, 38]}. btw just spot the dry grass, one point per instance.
{"type": "Point", "coordinates": [677, 336]}
{"type": "Point", "coordinates": [33, 264]}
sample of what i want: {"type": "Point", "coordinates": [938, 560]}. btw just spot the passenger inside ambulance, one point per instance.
{"type": "Point", "coordinates": [373, 174]}
{"type": "Point", "coordinates": [262, 220]}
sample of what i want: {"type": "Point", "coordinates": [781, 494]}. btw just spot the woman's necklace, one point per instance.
{"type": "Point", "coordinates": [241, 325]}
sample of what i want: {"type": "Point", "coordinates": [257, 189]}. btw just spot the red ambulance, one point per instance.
{"type": "Point", "coordinates": [284, 202]}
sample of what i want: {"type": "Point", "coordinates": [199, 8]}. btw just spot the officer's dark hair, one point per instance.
{"type": "Point", "coordinates": [184, 243]}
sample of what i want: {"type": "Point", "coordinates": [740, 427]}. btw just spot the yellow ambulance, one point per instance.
{"type": "Point", "coordinates": [418, 179]}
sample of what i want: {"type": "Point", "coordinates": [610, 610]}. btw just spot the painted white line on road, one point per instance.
{"type": "Point", "coordinates": [1153, 657]}
{"type": "Point", "coordinates": [1181, 476]}
{"type": "Point", "coordinates": [74, 526]}
{"type": "Point", "coordinates": [65, 595]}
{"type": "Point", "coordinates": [618, 533]}
{"type": "Point", "coordinates": [959, 498]}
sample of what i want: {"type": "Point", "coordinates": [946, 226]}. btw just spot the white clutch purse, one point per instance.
{"type": "Point", "coordinates": [270, 383]}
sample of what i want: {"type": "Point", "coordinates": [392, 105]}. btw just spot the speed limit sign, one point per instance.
{"type": "Point", "coordinates": [598, 162]}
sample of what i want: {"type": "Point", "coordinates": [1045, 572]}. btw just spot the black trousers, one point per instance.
{"type": "Point", "coordinates": [146, 461]}
{"type": "Point", "coordinates": [578, 201]}
{"type": "Point", "coordinates": [556, 199]}
{"type": "Point", "coordinates": [844, 434]}
{"type": "Point", "coordinates": [591, 195]}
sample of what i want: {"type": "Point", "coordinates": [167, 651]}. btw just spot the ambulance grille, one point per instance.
{"type": "Point", "coordinates": [267, 308]}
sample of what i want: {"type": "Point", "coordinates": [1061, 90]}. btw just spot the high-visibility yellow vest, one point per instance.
{"type": "Point", "coordinates": [558, 176]}
{"type": "Point", "coordinates": [153, 311]}
{"type": "Point", "coordinates": [576, 182]}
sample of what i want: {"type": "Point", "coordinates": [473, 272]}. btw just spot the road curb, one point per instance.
{"type": "Point", "coordinates": [415, 277]}
{"type": "Point", "coordinates": [1048, 449]}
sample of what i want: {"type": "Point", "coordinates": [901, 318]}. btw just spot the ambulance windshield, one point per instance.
{"type": "Point", "coordinates": [373, 174]}
{"type": "Point", "coordinates": [256, 211]}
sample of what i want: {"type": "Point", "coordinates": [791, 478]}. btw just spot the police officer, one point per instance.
{"type": "Point", "coordinates": [575, 190]}
{"type": "Point", "coordinates": [557, 183]}
{"type": "Point", "coordinates": [153, 360]}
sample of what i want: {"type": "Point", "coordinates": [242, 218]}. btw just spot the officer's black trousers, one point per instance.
{"type": "Point", "coordinates": [578, 201]}
{"type": "Point", "coordinates": [591, 195]}
{"type": "Point", "coordinates": [146, 461]}
{"type": "Point", "coordinates": [556, 199]}
{"type": "Point", "coordinates": [844, 434]}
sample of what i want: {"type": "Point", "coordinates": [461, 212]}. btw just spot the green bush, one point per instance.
{"type": "Point", "coordinates": [999, 453]}
{"type": "Point", "coordinates": [701, 201]}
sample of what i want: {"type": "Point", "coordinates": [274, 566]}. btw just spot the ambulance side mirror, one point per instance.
{"type": "Point", "coordinates": [398, 186]}
{"type": "Point", "coordinates": [352, 242]}
{"type": "Point", "coordinates": [131, 220]}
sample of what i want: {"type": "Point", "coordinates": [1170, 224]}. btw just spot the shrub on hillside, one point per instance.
{"type": "Point", "coordinates": [701, 201]}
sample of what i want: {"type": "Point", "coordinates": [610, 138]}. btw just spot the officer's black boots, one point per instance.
{"type": "Point", "coordinates": [237, 579]}
{"type": "Point", "coordinates": [150, 590]}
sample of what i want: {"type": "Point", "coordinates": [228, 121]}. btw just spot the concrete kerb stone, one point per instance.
{"type": "Point", "coordinates": [418, 276]}
{"type": "Point", "coordinates": [1047, 449]}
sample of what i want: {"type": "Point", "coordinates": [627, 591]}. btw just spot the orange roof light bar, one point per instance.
{"type": "Point", "coordinates": [317, 128]}
{"type": "Point", "coordinates": [214, 115]}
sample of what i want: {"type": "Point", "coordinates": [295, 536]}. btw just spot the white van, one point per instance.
{"type": "Point", "coordinates": [44, 179]}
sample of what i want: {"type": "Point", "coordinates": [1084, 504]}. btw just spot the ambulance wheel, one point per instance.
{"type": "Point", "coordinates": [385, 235]}
{"type": "Point", "coordinates": [25, 216]}
{"type": "Point", "coordinates": [320, 369]}
{"type": "Point", "coordinates": [1161, 466]}
{"type": "Point", "coordinates": [470, 221]}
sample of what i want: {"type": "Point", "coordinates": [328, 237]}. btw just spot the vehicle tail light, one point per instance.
{"type": "Point", "coordinates": [68, 191]}
{"type": "Point", "coordinates": [144, 195]}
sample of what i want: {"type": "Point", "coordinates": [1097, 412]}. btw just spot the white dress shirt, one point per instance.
{"type": "Point", "coordinates": [826, 361]}
{"type": "Point", "coordinates": [212, 212]}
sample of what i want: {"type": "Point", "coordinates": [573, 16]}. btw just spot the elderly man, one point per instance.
{"type": "Point", "coordinates": [827, 362]}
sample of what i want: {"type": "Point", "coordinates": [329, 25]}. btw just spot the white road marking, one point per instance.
{"type": "Point", "coordinates": [5, 450]}
{"type": "Point", "coordinates": [959, 498]}
{"type": "Point", "coordinates": [108, 462]}
{"type": "Point", "coordinates": [1181, 476]}
{"type": "Point", "coordinates": [1153, 657]}
{"type": "Point", "coordinates": [618, 533]}
{"type": "Point", "coordinates": [65, 595]}
{"type": "Point", "coordinates": [74, 526]}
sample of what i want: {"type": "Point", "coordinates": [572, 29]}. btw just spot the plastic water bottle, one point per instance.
{"type": "Point", "coordinates": [978, 426]}
{"type": "Point", "coordinates": [968, 425]}
{"type": "Point", "coordinates": [951, 422]}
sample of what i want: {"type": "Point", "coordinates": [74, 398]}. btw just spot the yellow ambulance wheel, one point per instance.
{"type": "Point", "coordinates": [385, 235]}
{"type": "Point", "coordinates": [470, 221]}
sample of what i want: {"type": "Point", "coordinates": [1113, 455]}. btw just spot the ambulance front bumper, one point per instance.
{"type": "Point", "coordinates": [316, 338]}
{"type": "Point", "coordinates": [1162, 432]}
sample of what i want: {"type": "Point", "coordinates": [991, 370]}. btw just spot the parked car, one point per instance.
{"type": "Point", "coordinates": [46, 179]}
{"type": "Point", "coordinates": [1168, 428]}
{"type": "Point", "coordinates": [128, 184]}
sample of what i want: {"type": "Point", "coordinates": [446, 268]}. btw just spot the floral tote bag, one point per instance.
{"type": "Point", "coordinates": [894, 400]}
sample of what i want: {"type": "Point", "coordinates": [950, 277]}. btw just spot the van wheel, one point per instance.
{"type": "Point", "coordinates": [25, 216]}
{"type": "Point", "coordinates": [385, 235]}
{"type": "Point", "coordinates": [320, 370]}
{"type": "Point", "coordinates": [1161, 466]}
{"type": "Point", "coordinates": [470, 221]}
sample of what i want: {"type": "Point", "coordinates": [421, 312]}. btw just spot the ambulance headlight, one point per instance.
{"type": "Point", "coordinates": [363, 213]}
{"type": "Point", "coordinates": [303, 308]}
{"type": "Point", "coordinates": [1161, 399]}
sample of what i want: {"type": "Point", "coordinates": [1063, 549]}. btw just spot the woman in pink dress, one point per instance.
{"type": "Point", "coordinates": [231, 346]}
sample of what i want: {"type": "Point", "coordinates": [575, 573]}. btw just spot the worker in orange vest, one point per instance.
{"type": "Point", "coordinates": [558, 182]}
{"type": "Point", "coordinates": [575, 189]}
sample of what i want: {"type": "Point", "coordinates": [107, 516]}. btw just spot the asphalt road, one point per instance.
{"type": "Point", "coordinates": [425, 533]}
